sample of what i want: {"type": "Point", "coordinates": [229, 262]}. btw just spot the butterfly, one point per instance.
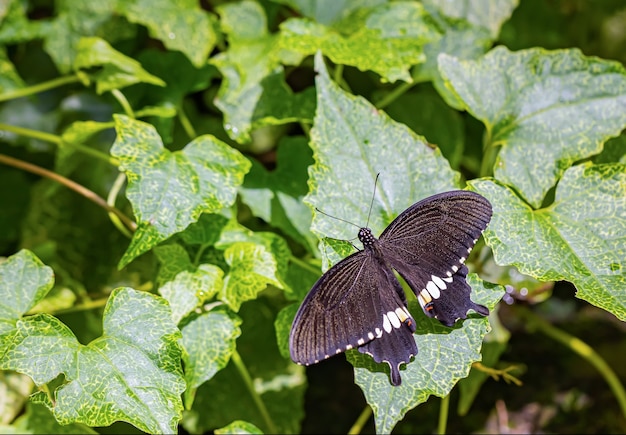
{"type": "Point", "coordinates": [359, 303]}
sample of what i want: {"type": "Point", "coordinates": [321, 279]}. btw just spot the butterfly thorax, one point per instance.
{"type": "Point", "coordinates": [366, 237]}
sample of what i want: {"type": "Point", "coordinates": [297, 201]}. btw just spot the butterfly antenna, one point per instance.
{"type": "Point", "coordinates": [335, 217]}
{"type": "Point", "coordinates": [372, 201]}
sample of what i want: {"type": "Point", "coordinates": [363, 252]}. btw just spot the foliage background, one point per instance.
{"type": "Point", "coordinates": [160, 299]}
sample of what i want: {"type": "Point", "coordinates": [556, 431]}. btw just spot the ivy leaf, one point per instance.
{"type": "Point", "coordinates": [444, 356]}
{"type": "Point", "coordinates": [210, 340]}
{"type": "Point", "coordinates": [169, 190]}
{"type": "Point", "coordinates": [388, 40]}
{"type": "Point", "coordinates": [24, 281]}
{"type": "Point", "coordinates": [134, 365]}
{"type": "Point", "coordinates": [545, 109]}
{"type": "Point", "coordinates": [352, 142]}
{"type": "Point", "coordinates": [276, 196]}
{"type": "Point", "coordinates": [189, 289]}
{"type": "Point", "coordinates": [569, 239]}
{"type": "Point", "coordinates": [253, 90]}
{"type": "Point", "coordinates": [118, 70]}
{"type": "Point", "coordinates": [9, 79]}
{"type": "Point", "coordinates": [75, 20]}
{"type": "Point", "coordinates": [252, 268]}
{"type": "Point", "coordinates": [180, 25]}
{"type": "Point", "coordinates": [38, 419]}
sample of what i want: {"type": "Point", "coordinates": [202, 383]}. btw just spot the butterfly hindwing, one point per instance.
{"type": "Point", "coordinates": [355, 305]}
{"type": "Point", "coordinates": [428, 244]}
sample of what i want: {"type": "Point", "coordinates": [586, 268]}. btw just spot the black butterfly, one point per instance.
{"type": "Point", "coordinates": [359, 303]}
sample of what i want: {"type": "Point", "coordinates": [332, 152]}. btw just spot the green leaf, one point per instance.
{"type": "Point", "coordinates": [487, 15]}
{"type": "Point", "coordinates": [78, 18]}
{"type": "Point", "coordinates": [180, 25]}
{"type": "Point", "coordinates": [579, 238]}
{"type": "Point", "coordinates": [252, 268]}
{"type": "Point", "coordinates": [276, 196]}
{"type": "Point", "coordinates": [132, 373]}
{"type": "Point", "coordinates": [118, 70]}
{"type": "Point", "coordinates": [444, 356]}
{"type": "Point", "coordinates": [169, 190]}
{"type": "Point", "coordinates": [190, 289]}
{"type": "Point", "coordinates": [278, 383]}
{"type": "Point", "coordinates": [81, 131]}
{"type": "Point", "coordinates": [210, 340]}
{"type": "Point", "coordinates": [545, 109]}
{"type": "Point", "coordinates": [352, 142]}
{"type": "Point", "coordinates": [9, 79]}
{"type": "Point", "coordinates": [173, 259]}
{"type": "Point", "coordinates": [388, 41]}
{"type": "Point", "coordinates": [238, 427]}
{"type": "Point", "coordinates": [37, 419]}
{"type": "Point", "coordinates": [24, 281]}
{"type": "Point", "coordinates": [253, 92]}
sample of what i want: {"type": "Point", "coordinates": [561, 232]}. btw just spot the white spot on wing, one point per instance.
{"type": "Point", "coordinates": [438, 282]}
{"type": "Point", "coordinates": [433, 290]}
{"type": "Point", "coordinates": [393, 318]}
{"type": "Point", "coordinates": [370, 335]}
{"type": "Point", "coordinates": [379, 332]}
{"type": "Point", "coordinates": [386, 323]}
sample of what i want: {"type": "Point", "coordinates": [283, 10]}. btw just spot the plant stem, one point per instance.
{"type": "Point", "coordinates": [89, 194]}
{"type": "Point", "coordinates": [123, 102]}
{"type": "Point", "coordinates": [243, 371]}
{"type": "Point", "coordinates": [443, 414]}
{"type": "Point", "coordinates": [58, 141]}
{"type": "Point", "coordinates": [581, 348]}
{"type": "Point", "coordinates": [41, 87]}
{"type": "Point", "coordinates": [357, 427]}
{"type": "Point", "coordinates": [395, 93]}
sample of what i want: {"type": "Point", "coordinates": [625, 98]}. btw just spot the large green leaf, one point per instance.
{"type": "Point", "coordinates": [580, 237]}
{"type": "Point", "coordinates": [352, 142]}
{"type": "Point", "coordinates": [135, 365]}
{"type": "Point", "coordinates": [545, 109]}
{"type": "Point", "coordinates": [387, 39]}
{"type": "Point", "coordinates": [169, 190]}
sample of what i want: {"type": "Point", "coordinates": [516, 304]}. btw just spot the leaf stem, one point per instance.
{"type": "Point", "coordinates": [187, 126]}
{"type": "Point", "coordinates": [89, 194]}
{"type": "Point", "coordinates": [58, 141]}
{"type": "Point", "coordinates": [41, 87]}
{"type": "Point", "coordinates": [357, 427]}
{"type": "Point", "coordinates": [535, 322]}
{"type": "Point", "coordinates": [115, 189]}
{"type": "Point", "coordinates": [395, 93]}
{"type": "Point", "coordinates": [128, 110]}
{"type": "Point", "coordinates": [306, 265]}
{"type": "Point", "coordinates": [443, 414]}
{"type": "Point", "coordinates": [243, 371]}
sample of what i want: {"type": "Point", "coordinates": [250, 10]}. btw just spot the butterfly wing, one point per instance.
{"type": "Point", "coordinates": [428, 244]}
{"type": "Point", "coordinates": [358, 303]}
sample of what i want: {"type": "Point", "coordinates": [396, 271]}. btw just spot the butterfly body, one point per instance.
{"type": "Point", "coordinates": [359, 303]}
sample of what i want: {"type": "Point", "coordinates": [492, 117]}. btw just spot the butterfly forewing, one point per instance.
{"type": "Point", "coordinates": [352, 304]}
